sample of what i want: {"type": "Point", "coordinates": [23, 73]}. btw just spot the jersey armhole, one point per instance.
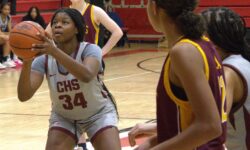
{"type": "Point", "coordinates": [46, 65]}
{"type": "Point", "coordinates": [237, 106]}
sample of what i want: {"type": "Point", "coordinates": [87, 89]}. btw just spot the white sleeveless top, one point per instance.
{"type": "Point", "coordinates": [238, 134]}
{"type": "Point", "coordinates": [72, 98]}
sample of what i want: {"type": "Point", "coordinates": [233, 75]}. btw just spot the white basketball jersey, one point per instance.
{"type": "Point", "coordinates": [70, 97]}
{"type": "Point", "coordinates": [238, 134]}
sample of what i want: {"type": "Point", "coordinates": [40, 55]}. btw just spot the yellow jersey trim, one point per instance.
{"type": "Point", "coordinates": [205, 38]}
{"type": "Point", "coordinates": [84, 10]}
{"type": "Point", "coordinates": [180, 102]}
{"type": "Point", "coordinates": [94, 24]}
{"type": "Point", "coordinates": [201, 52]}
{"type": "Point", "coordinates": [185, 109]}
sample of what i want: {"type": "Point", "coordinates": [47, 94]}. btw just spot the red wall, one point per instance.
{"type": "Point", "coordinates": [137, 22]}
{"type": "Point", "coordinates": [133, 13]}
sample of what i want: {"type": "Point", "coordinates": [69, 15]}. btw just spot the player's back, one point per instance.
{"type": "Point", "coordinates": [174, 113]}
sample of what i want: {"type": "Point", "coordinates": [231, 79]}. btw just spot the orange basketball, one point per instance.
{"type": "Point", "coordinates": [22, 36]}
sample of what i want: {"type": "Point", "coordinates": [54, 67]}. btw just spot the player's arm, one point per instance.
{"type": "Point", "coordinates": [101, 17]}
{"type": "Point", "coordinates": [149, 143]}
{"type": "Point", "coordinates": [9, 26]}
{"type": "Point", "coordinates": [229, 73]}
{"type": "Point", "coordinates": [234, 92]}
{"type": "Point", "coordinates": [29, 81]}
{"type": "Point", "coordinates": [84, 71]}
{"type": "Point", "coordinates": [206, 124]}
{"type": "Point", "coordinates": [141, 129]}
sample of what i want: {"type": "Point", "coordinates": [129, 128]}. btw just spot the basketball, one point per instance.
{"type": "Point", "coordinates": [22, 36]}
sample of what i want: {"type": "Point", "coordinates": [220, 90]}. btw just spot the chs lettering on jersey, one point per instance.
{"type": "Point", "coordinates": [68, 86]}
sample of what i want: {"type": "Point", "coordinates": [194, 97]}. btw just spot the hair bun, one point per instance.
{"type": "Point", "coordinates": [191, 24]}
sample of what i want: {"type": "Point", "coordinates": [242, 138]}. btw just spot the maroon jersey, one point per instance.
{"type": "Point", "coordinates": [92, 29]}
{"type": "Point", "coordinates": [174, 113]}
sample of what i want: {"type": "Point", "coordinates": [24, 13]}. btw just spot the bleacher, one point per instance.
{"type": "Point", "coordinates": [47, 8]}
{"type": "Point", "coordinates": [132, 12]}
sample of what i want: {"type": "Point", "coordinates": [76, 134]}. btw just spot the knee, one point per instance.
{"type": "Point", "coordinates": [58, 146]}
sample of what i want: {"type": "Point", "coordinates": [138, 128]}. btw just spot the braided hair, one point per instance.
{"type": "Point", "coordinates": [181, 12]}
{"type": "Point", "coordinates": [227, 30]}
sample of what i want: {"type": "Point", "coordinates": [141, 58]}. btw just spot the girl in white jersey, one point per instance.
{"type": "Point", "coordinates": [227, 30]}
{"type": "Point", "coordinates": [80, 103]}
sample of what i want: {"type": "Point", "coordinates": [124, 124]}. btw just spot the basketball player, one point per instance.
{"type": "Point", "coordinates": [191, 91]}
{"type": "Point", "coordinates": [94, 16]}
{"type": "Point", "coordinates": [227, 30]}
{"type": "Point", "coordinates": [79, 101]}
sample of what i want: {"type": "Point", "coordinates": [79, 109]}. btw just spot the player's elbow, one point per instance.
{"type": "Point", "coordinates": [87, 78]}
{"type": "Point", "coordinates": [212, 129]}
{"type": "Point", "coordinates": [120, 33]}
{"type": "Point", "coordinates": [23, 98]}
{"type": "Point", "coordinates": [216, 129]}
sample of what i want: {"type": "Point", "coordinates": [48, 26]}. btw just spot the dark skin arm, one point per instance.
{"type": "Point", "coordinates": [84, 72]}
{"type": "Point", "coordinates": [29, 81]}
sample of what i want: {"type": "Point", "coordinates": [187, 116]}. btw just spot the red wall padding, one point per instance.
{"type": "Point", "coordinates": [23, 6]}
{"type": "Point", "coordinates": [116, 2]}
{"type": "Point", "coordinates": [66, 3]}
{"type": "Point", "coordinates": [132, 2]}
{"type": "Point", "coordinates": [224, 3]}
{"type": "Point", "coordinates": [136, 20]}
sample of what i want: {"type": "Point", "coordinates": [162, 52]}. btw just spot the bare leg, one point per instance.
{"type": "Point", "coordinates": [59, 140]}
{"type": "Point", "coordinates": [4, 41]}
{"type": "Point", "coordinates": [6, 49]}
{"type": "Point", "coordinates": [107, 139]}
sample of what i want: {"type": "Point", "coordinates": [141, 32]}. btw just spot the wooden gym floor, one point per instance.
{"type": "Point", "coordinates": [131, 76]}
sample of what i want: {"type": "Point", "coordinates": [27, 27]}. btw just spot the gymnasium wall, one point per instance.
{"type": "Point", "coordinates": [133, 13]}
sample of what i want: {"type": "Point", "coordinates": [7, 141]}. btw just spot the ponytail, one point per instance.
{"type": "Point", "coordinates": [191, 24]}
{"type": "Point", "coordinates": [181, 12]}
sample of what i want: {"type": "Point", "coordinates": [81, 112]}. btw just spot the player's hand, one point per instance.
{"type": "Point", "coordinates": [141, 129]}
{"type": "Point", "coordinates": [48, 47]}
{"type": "Point", "coordinates": [144, 146]}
